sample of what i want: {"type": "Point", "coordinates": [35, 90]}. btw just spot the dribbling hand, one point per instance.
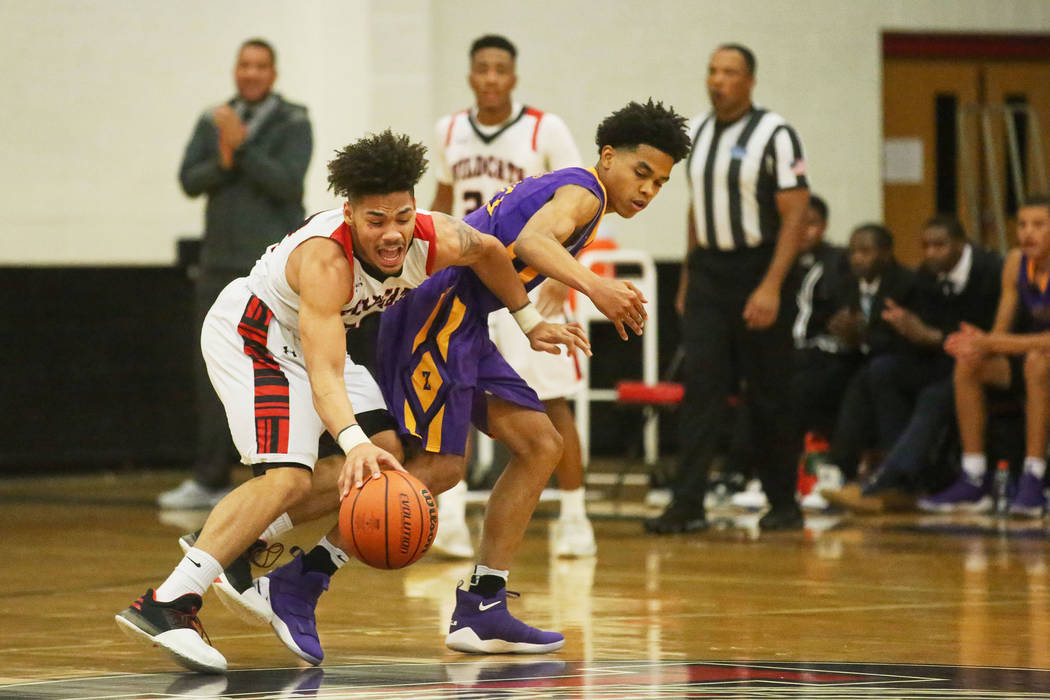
{"type": "Point", "coordinates": [364, 456]}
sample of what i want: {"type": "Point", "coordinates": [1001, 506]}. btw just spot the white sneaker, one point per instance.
{"type": "Point", "coordinates": [174, 627]}
{"type": "Point", "coordinates": [236, 589]}
{"type": "Point", "coordinates": [453, 539]}
{"type": "Point", "coordinates": [658, 498]}
{"type": "Point", "coordinates": [453, 536]}
{"type": "Point", "coordinates": [829, 478]}
{"type": "Point", "coordinates": [190, 495]}
{"type": "Point", "coordinates": [573, 537]}
{"type": "Point", "coordinates": [751, 498]}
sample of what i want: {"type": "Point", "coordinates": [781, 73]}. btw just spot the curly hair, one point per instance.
{"type": "Point", "coordinates": [377, 164]}
{"type": "Point", "coordinates": [651, 124]}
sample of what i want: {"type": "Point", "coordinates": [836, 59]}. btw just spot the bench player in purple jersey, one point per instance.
{"type": "Point", "coordinates": [1006, 360]}
{"type": "Point", "coordinates": [439, 340]}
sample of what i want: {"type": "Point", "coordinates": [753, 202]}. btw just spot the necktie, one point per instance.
{"type": "Point", "coordinates": [866, 299]}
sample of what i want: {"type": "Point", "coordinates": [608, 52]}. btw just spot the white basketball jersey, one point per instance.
{"type": "Point", "coordinates": [478, 161]}
{"type": "Point", "coordinates": [371, 294]}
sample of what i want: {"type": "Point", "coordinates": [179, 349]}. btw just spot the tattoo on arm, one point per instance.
{"type": "Point", "coordinates": [469, 240]}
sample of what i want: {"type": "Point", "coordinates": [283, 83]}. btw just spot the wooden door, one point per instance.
{"type": "Point", "coordinates": [935, 90]}
{"type": "Point", "coordinates": [920, 97]}
{"type": "Point", "coordinates": [1016, 83]}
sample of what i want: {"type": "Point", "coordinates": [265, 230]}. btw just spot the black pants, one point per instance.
{"type": "Point", "coordinates": [214, 456]}
{"type": "Point", "coordinates": [720, 354]}
{"type": "Point", "coordinates": [879, 402]}
{"type": "Point", "coordinates": [818, 383]}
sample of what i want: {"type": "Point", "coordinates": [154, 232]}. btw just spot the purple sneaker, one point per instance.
{"type": "Point", "coordinates": [485, 626]}
{"type": "Point", "coordinates": [964, 496]}
{"type": "Point", "coordinates": [1029, 501]}
{"type": "Point", "coordinates": [292, 594]}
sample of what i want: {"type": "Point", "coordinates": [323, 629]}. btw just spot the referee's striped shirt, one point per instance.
{"type": "Point", "coordinates": [735, 171]}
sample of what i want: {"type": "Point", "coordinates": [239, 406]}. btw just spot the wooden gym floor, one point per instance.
{"type": "Point", "coordinates": [893, 606]}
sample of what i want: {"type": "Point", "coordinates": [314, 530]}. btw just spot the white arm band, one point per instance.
{"type": "Point", "coordinates": [350, 437]}
{"type": "Point", "coordinates": [527, 317]}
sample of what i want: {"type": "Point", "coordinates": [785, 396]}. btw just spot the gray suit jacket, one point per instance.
{"type": "Point", "coordinates": [257, 201]}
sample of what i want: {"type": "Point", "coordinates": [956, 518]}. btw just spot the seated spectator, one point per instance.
{"type": "Point", "coordinates": [822, 363]}
{"type": "Point", "coordinates": [878, 282]}
{"type": "Point", "coordinates": [1001, 359]}
{"type": "Point", "coordinates": [911, 390]}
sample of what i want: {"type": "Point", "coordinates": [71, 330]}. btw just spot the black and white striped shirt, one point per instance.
{"type": "Point", "coordinates": [735, 171]}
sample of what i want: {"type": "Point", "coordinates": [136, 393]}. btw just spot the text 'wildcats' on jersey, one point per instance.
{"type": "Point", "coordinates": [479, 160]}
{"type": "Point", "coordinates": [372, 292]}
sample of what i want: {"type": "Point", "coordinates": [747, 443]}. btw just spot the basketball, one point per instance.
{"type": "Point", "coordinates": [389, 522]}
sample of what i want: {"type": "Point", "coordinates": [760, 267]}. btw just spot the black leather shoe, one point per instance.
{"type": "Point", "coordinates": [787, 517]}
{"type": "Point", "coordinates": [678, 518]}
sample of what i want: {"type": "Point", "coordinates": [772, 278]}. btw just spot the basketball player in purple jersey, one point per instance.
{"type": "Point", "coordinates": [1002, 360]}
{"type": "Point", "coordinates": [477, 152]}
{"type": "Point", "coordinates": [440, 333]}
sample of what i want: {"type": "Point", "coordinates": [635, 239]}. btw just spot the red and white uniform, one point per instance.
{"type": "Point", "coordinates": [478, 161]}
{"type": "Point", "coordinates": [251, 345]}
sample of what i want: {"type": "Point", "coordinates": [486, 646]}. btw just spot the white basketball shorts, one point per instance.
{"type": "Point", "coordinates": [550, 376]}
{"type": "Point", "coordinates": [258, 371]}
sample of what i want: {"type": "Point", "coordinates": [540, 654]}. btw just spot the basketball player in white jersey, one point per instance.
{"type": "Point", "coordinates": [275, 347]}
{"type": "Point", "coordinates": [478, 152]}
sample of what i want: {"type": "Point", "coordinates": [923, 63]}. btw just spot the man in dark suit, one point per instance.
{"type": "Point", "coordinates": [911, 389]}
{"type": "Point", "coordinates": [877, 282]}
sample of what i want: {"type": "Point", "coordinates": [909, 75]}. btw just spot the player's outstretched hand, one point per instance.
{"type": "Point", "coordinates": [547, 336]}
{"type": "Point", "coordinates": [366, 456]}
{"type": "Point", "coordinates": [622, 303]}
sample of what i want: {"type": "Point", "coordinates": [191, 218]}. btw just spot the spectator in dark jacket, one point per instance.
{"type": "Point", "coordinates": [822, 363]}
{"type": "Point", "coordinates": [249, 157]}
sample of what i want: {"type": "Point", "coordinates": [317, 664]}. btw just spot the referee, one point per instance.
{"type": "Point", "coordinates": [748, 200]}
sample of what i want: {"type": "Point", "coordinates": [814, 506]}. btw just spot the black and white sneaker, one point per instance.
{"type": "Point", "coordinates": [234, 586]}
{"type": "Point", "coordinates": [175, 627]}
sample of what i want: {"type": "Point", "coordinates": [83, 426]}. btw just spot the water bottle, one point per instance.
{"type": "Point", "coordinates": [1001, 487]}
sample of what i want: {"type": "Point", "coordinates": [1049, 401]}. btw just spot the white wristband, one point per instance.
{"type": "Point", "coordinates": [350, 437]}
{"type": "Point", "coordinates": [527, 317]}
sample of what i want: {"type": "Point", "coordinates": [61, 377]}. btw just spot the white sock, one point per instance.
{"type": "Point", "coordinates": [1036, 466]}
{"type": "Point", "coordinates": [339, 557]}
{"type": "Point", "coordinates": [194, 574]}
{"type": "Point", "coordinates": [277, 527]}
{"type": "Point", "coordinates": [974, 465]}
{"type": "Point", "coordinates": [482, 570]}
{"type": "Point", "coordinates": [452, 504]}
{"type": "Point", "coordinates": [572, 504]}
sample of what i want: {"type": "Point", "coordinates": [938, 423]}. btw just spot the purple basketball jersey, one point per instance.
{"type": "Point", "coordinates": [1034, 298]}
{"type": "Point", "coordinates": [436, 363]}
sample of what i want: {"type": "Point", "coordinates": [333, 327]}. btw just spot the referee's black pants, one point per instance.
{"type": "Point", "coordinates": [720, 351]}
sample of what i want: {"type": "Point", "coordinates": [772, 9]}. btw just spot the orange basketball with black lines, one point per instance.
{"type": "Point", "coordinates": [390, 521]}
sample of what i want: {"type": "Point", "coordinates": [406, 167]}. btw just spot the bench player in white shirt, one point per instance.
{"type": "Point", "coordinates": [275, 347]}
{"type": "Point", "coordinates": [477, 153]}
